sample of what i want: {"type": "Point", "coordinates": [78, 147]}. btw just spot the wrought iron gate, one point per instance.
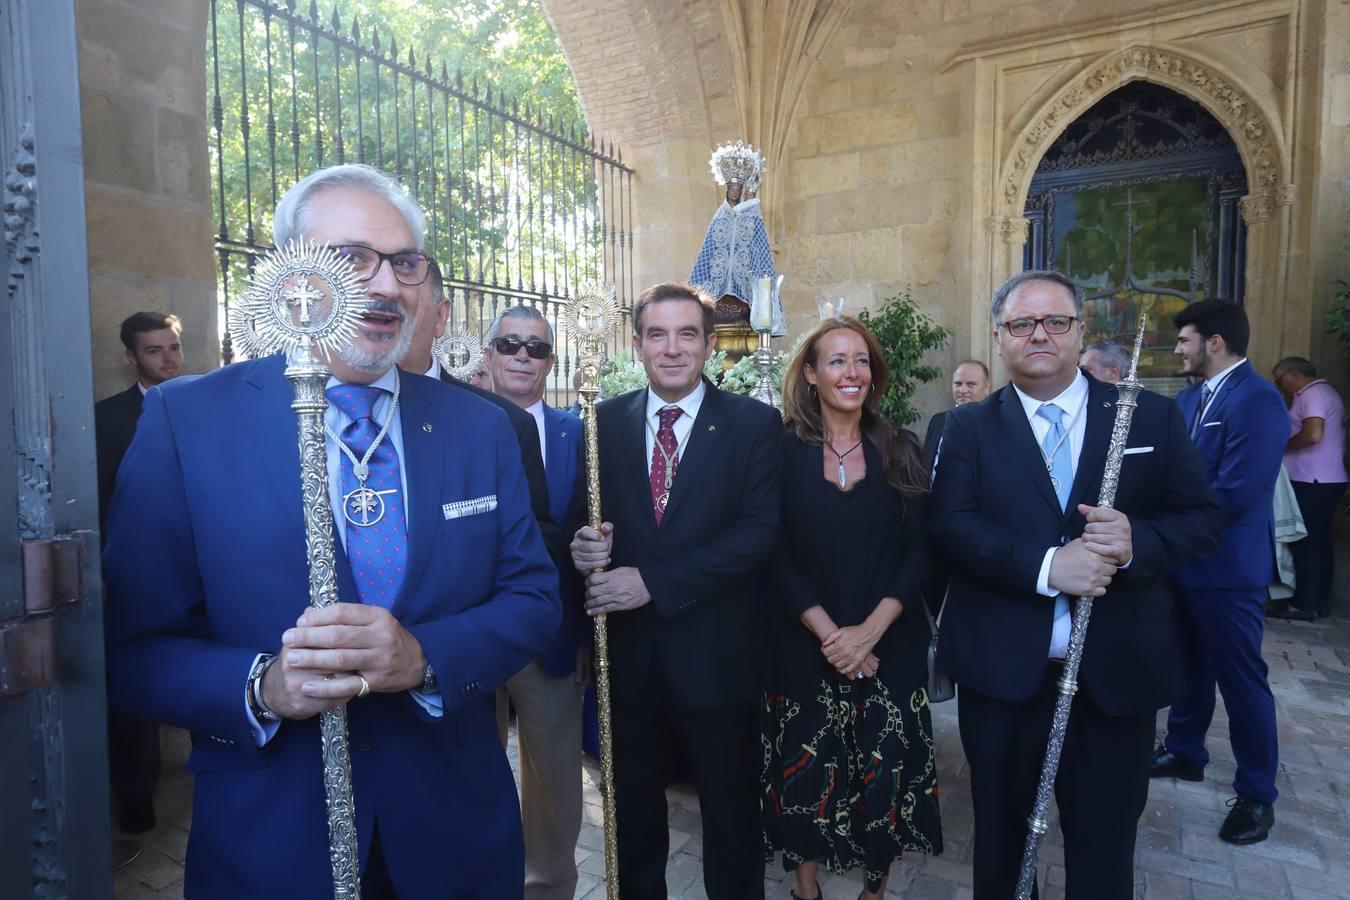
{"type": "Point", "coordinates": [54, 817]}
{"type": "Point", "coordinates": [519, 208]}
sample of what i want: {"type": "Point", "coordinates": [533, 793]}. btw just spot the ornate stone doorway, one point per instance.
{"type": "Point", "coordinates": [1137, 201]}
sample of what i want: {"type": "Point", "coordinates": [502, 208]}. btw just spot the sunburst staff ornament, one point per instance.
{"type": "Point", "coordinates": [305, 299]}
{"type": "Point", "coordinates": [301, 296]}
{"type": "Point", "coordinates": [737, 163]}
{"type": "Point", "coordinates": [460, 354]}
{"type": "Point", "coordinates": [589, 318]}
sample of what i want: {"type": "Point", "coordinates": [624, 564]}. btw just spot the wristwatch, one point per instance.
{"type": "Point", "coordinates": [429, 685]}
{"type": "Point", "coordinates": [253, 692]}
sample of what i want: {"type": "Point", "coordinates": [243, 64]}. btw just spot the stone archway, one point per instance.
{"type": "Point", "coordinates": [1250, 122]}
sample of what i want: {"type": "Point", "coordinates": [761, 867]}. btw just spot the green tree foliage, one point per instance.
{"type": "Point", "coordinates": [906, 333]}
{"type": "Point", "coordinates": [470, 102]}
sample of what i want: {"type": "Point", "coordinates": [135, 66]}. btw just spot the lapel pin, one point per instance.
{"type": "Point", "coordinates": [1106, 403]}
{"type": "Point", "coordinates": [426, 426]}
{"type": "Point", "coordinates": [562, 434]}
{"type": "Point", "coordinates": [712, 427]}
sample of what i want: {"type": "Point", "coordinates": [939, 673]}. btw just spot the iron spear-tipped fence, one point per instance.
{"type": "Point", "coordinates": [520, 207]}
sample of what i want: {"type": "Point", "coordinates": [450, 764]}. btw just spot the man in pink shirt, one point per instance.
{"type": "Point", "coordinates": [1315, 462]}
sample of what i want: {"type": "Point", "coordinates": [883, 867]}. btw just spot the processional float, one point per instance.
{"type": "Point", "coordinates": [591, 316]}
{"type": "Point", "coordinates": [305, 300]}
{"type": "Point", "coordinates": [1037, 825]}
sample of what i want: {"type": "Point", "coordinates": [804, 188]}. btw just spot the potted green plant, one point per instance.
{"type": "Point", "coordinates": [906, 333]}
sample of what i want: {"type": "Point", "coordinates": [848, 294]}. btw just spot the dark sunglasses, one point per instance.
{"type": "Point", "coordinates": [535, 348]}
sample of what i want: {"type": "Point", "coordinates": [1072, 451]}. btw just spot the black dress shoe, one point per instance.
{"type": "Point", "coordinates": [1291, 613]}
{"type": "Point", "coordinates": [1167, 764]}
{"type": "Point", "coordinates": [1248, 822]}
{"type": "Point", "coordinates": [136, 818]}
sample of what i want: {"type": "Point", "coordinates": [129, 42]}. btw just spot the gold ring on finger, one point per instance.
{"type": "Point", "coordinates": [365, 687]}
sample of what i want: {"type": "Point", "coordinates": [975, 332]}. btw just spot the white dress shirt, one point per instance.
{"type": "Point", "coordinates": [1214, 384]}
{"type": "Point", "coordinates": [536, 409]}
{"type": "Point", "coordinates": [1072, 402]}
{"type": "Point", "coordinates": [689, 403]}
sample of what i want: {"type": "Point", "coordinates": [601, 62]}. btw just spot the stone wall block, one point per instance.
{"type": "Point", "coordinates": [824, 174]}
{"type": "Point", "coordinates": [183, 168]}
{"type": "Point", "coordinates": [133, 234]}
{"type": "Point", "coordinates": [874, 126]}
{"type": "Point", "coordinates": [876, 254]}
{"type": "Point", "coordinates": [126, 52]}
{"type": "Point", "coordinates": [927, 252]}
{"type": "Point", "coordinates": [119, 141]}
{"type": "Point", "coordinates": [874, 207]}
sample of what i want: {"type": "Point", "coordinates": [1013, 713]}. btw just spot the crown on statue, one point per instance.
{"type": "Point", "coordinates": [737, 163]}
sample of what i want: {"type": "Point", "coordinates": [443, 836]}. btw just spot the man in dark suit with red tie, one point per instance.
{"type": "Point", "coordinates": [1018, 476]}
{"type": "Point", "coordinates": [689, 489]}
{"type": "Point", "coordinates": [154, 348]}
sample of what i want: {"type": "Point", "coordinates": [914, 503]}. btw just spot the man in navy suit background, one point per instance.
{"type": "Point", "coordinates": [154, 348]}
{"type": "Point", "coordinates": [1018, 475]}
{"type": "Point", "coordinates": [444, 596]}
{"type": "Point", "coordinates": [1239, 422]}
{"type": "Point", "coordinates": [546, 693]}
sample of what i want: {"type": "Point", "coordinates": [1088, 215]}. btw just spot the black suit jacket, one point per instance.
{"type": "Point", "coordinates": [932, 438]}
{"type": "Point", "coordinates": [704, 566]}
{"type": "Point", "coordinates": [527, 433]}
{"type": "Point", "coordinates": [114, 427]}
{"type": "Point", "coordinates": [995, 514]}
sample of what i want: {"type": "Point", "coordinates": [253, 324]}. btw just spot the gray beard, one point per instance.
{"type": "Point", "coordinates": [378, 361]}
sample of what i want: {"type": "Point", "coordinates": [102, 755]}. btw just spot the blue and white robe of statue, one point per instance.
{"type": "Point", "coordinates": [735, 252]}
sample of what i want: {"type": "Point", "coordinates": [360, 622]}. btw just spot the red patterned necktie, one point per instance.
{"type": "Point", "coordinates": [660, 478]}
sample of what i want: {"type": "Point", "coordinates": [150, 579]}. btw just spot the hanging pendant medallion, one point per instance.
{"type": "Point", "coordinates": [662, 500]}
{"type": "Point", "coordinates": [843, 476]}
{"type": "Point", "coordinates": [364, 506]}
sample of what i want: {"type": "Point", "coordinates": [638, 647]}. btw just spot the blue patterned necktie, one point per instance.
{"type": "Point", "coordinates": [378, 551]}
{"type": "Point", "coordinates": [1055, 452]}
{"type": "Point", "coordinates": [1205, 393]}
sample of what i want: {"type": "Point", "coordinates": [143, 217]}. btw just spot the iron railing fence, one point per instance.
{"type": "Point", "coordinates": [520, 206]}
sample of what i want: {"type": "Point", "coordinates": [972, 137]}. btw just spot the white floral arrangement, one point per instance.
{"type": "Point", "coordinates": [625, 373]}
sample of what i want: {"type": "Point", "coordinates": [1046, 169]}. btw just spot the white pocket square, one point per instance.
{"type": "Point", "coordinates": [1138, 450]}
{"type": "Point", "coordinates": [461, 508]}
{"type": "Point", "coordinates": [1211, 425]}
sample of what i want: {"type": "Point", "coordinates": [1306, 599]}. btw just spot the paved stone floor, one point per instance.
{"type": "Point", "coordinates": [1180, 856]}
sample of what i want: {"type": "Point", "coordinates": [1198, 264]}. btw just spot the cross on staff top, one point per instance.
{"type": "Point", "coordinates": [302, 295]}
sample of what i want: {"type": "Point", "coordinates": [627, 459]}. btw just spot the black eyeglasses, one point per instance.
{"type": "Point", "coordinates": [410, 268]}
{"type": "Point", "coordinates": [1051, 324]}
{"type": "Point", "coordinates": [535, 348]}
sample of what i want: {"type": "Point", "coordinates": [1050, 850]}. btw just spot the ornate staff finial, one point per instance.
{"type": "Point", "coordinates": [303, 297]}
{"type": "Point", "coordinates": [459, 353]}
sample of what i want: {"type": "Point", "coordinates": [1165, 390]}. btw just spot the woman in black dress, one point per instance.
{"type": "Point", "coordinates": [850, 778]}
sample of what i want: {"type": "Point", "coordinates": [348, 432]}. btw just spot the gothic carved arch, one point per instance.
{"type": "Point", "coordinates": [1251, 126]}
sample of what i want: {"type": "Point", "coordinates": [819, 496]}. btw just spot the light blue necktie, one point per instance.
{"type": "Point", "coordinates": [1056, 443]}
{"type": "Point", "coordinates": [1061, 470]}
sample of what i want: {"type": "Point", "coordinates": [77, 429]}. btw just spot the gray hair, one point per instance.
{"type": "Point", "coordinates": [520, 312]}
{"type": "Point", "coordinates": [1112, 355]}
{"type": "Point", "coordinates": [1007, 289]}
{"type": "Point", "coordinates": [292, 219]}
{"type": "Point", "coordinates": [1296, 364]}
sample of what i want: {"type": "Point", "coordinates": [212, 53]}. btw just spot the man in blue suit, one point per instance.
{"type": "Point", "coordinates": [546, 693]}
{"type": "Point", "coordinates": [1239, 423]}
{"type": "Point", "coordinates": [446, 590]}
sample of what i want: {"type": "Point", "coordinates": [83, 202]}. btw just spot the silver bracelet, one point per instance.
{"type": "Point", "coordinates": [253, 691]}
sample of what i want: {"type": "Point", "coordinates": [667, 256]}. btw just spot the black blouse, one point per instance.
{"type": "Point", "coordinates": [845, 550]}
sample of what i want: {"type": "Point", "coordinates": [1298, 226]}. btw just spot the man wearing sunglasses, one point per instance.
{"type": "Point", "coordinates": [546, 693]}
{"type": "Point", "coordinates": [1018, 477]}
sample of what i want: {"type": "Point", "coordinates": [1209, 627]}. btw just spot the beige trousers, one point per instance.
{"type": "Point", "coordinates": [548, 724]}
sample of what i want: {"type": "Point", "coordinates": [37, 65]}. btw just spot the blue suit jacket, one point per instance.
{"type": "Point", "coordinates": [565, 469]}
{"type": "Point", "coordinates": [205, 566]}
{"type": "Point", "coordinates": [1241, 439]}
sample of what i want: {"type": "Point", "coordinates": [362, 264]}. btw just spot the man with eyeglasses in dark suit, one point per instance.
{"type": "Point", "coordinates": [1013, 508]}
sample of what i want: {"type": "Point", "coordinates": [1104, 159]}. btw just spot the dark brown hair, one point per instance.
{"type": "Point", "coordinates": [902, 462]}
{"type": "Point", "coordinates": [672, 290]}
{"type": "Point", "coordinates": [141, 322]}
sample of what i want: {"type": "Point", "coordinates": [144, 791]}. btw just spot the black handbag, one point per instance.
{"type": "Point", "coordinates": [941, 688]}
